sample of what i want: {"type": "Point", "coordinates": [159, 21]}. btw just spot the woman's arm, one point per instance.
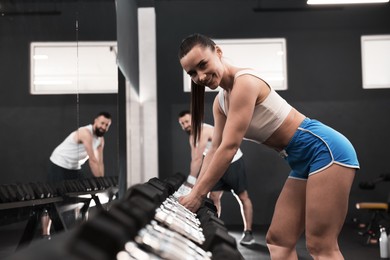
{"type": "Point", "coordinates": [241, 106]}
{"type": "Point", "coordinates": [229, 135]}
{"type": "Point", "coordinates": [219, 123]}
{"type": "Point", "coordinates": [197, 151]}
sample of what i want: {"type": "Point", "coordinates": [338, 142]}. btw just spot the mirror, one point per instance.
{"type": "Point", "coordinates": [33, 125]}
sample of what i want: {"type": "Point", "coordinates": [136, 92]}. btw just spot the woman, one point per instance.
{"type": "Point", "coordinates": [323, 162]}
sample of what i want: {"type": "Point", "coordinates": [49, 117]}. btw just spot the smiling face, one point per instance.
{"type": "Point", "coordinates": [204, 65]}
{"type": "Point", "coordinates": [185, 123]}
{"type": "Point", "coordinates": [101, 125]}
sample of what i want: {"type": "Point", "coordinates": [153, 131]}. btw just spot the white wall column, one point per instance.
{"type": "Point", "coordinates": [142, 143]}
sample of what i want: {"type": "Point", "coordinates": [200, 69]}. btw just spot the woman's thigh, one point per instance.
{"type": "Point", "coordinates": [327, 196]}
{"type": "Point", "coordinates": [288, 220]}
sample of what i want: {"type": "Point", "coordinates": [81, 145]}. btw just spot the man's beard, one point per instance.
{"type": "Point", "coordinates": [99, 133]}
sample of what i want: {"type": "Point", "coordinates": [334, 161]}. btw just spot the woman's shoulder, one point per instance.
{"type": "Point", "coordinates": [247, 71]}
{"type": "Point", "coordinates": [252, 83]}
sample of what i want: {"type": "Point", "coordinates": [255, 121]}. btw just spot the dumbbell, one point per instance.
{"type": "Point", "coordinates": [38, 191]}
{"type": "Point", "coordinates": [46, 190]}
{"type": "Point", "coordinates": [105, 183]}
{"type": "Point", "coordinates": [79, 186]}
{"type": "Point", "coordinates": [139, 216]}
{"type": "Point", "coordinates": [109, 181]}
{"type": "Point", "coordinates": [215, 235]}
{"type": "Point", "coordinates": [86, 185]}
{"type": "Point", "coordinates": [28, 191]}
{"type": "Point", "coordinates": [143, 204]}
{"type": "Point", "coordinates": [99, 183]}
{"type": "Point", "coordinates": [162, 186]}
{"type": "Point", "coordinates": [226, 252]}
{"type": "Point", "coordinates": [148, 191]}
{"type": "Point", "coordinates": [16, 192]}
{"type": "Point", "coordinates": [176, 180]}
{"type": "Point", "coordinates": [4, 195]}
{"type": "Point", "coordinates": [114, 180]}
{"type": "Point", "coordinates": [93, 184]}
{"type": "Point", "coordinates": [205, 216]}
{"type": "Point", "coordinates": [102, 237]}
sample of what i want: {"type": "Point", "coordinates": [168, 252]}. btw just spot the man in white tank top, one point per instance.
{"type": "Point", "coordinates": [84, 144]}
{"type": "Point", "coordinates": [234, 179]}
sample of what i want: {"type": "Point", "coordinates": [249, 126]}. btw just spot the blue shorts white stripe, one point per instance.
{"type": "Point", "coordinates": [315, 146]}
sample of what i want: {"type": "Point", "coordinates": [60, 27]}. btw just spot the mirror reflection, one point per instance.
{"type": "Point", "coordinates": [35, 123]}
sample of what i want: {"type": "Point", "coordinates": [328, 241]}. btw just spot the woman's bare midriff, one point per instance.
{"type": "Point", "coordinates": [282, 136]}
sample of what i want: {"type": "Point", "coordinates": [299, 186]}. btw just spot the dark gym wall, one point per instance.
{"type": "Point", "coordinates": [33, 125]}
{"type": "Point", "coordinates": [324, 82]}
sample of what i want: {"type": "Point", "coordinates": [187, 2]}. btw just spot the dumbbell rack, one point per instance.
{"type": "Point", "coordinates": [147, 223]}
{"type": "Point", "coordinates": [34, 198]}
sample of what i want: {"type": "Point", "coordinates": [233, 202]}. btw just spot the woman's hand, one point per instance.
{"type": "Point", "coordinates": [192, 201]}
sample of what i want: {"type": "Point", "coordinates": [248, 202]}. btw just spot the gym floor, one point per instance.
{"type": "Point", "coordinates": [351, 244]}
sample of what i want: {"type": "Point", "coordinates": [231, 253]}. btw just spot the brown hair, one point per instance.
{"type": "Point", "coordinates": [197, 91]}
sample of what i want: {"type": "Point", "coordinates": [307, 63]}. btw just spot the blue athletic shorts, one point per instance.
{"type": "Point", "coordinates": [314, 147]}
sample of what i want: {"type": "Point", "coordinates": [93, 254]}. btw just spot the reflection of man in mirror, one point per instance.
{"type": "Point", "coordinates": [84, 144]}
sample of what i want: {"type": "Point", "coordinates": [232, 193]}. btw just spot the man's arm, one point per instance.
{"type": "Point", "coordinates": [99, 156]}
{"type": "Point", "coordinates": [85, 137]}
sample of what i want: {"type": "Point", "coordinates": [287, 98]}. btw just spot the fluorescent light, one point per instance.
{"type": "Point", "coordinates": [40, 57]}
{"type": "Point", "coordinates": [332, 2]}
{"type": "Point", "coordinates": [52, 82]}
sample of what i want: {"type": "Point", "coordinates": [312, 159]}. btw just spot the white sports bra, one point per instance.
{"type": "Point", "coordinates": [267, 116]}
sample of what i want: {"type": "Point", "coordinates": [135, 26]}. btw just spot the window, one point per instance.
{"type": "Point", "coordinates": [73, 67]}
{"type": "Point", "coordinates": [376, 61]}
{"type": "Point", "coordinates": [268, 56]}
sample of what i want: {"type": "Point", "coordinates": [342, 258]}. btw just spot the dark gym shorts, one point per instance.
{"type": "Point", "coordinates": [233, 179]}
{"type": "Point", "coordinates": [58, 174]}
{"type": "Point", "coordinates": [316, 146]}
